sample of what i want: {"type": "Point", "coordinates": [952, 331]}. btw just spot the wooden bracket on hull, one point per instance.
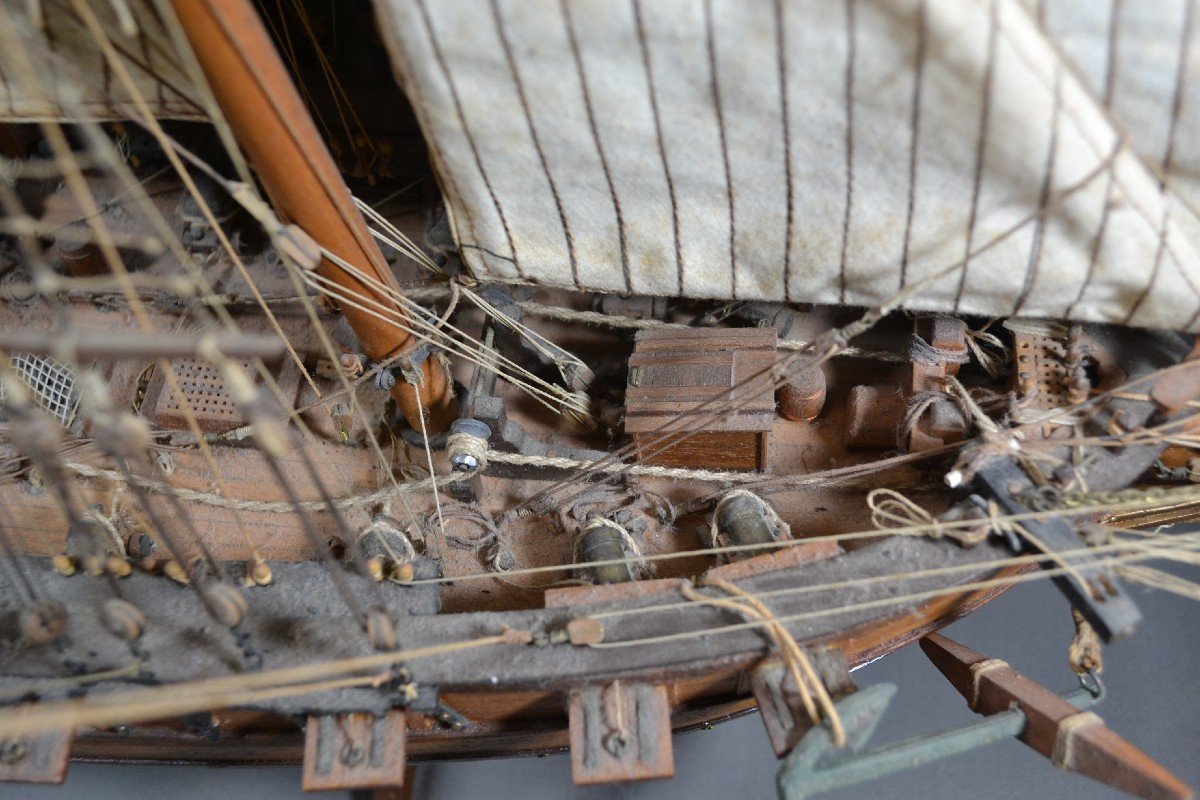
{"type": "Point", "coordinates": [620, 732]}
{"type": "Point", "coordinates": [779, 703]}
{"type": "Point", "coordinates": [35, 759]}
{"type": "Point", "coordinates": [355, 751]}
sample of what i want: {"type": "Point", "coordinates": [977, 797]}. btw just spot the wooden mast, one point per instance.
{"type": "Point", "coordinates": [273, 127]}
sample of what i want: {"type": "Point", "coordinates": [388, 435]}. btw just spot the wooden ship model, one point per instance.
{"type": "Point", "coordinates": [417, 378]}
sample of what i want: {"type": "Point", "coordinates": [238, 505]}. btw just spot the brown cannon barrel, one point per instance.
{"type": "Point", "coordinates": [272, 126]}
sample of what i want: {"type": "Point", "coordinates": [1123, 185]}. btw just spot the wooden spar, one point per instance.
{"type": "Point", "coordinates": [113, 345]}
{"type": "Point", "coordinates": [1071, 739]}
{"type": "Point", "coordinates": [272, 126]}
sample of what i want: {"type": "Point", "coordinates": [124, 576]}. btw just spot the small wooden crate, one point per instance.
{"type": "Point", "coordinates": [673, 371]}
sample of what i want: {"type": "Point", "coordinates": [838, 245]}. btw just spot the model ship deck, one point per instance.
{"type": "Point", "coordinates": [382, 429]}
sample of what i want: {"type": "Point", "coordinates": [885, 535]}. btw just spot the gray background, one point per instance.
{"type": "Point", "coordinates": [1152, 679]}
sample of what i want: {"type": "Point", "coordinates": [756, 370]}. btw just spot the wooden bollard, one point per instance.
{"type": "Point", "coordinates": [802, 398]}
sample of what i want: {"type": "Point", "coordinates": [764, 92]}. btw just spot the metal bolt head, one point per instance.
{"type": "Point", "coordinates": [385, 380]}
{"type": "Point", "coordinates": [12, 751]}
{"type": "Point", "coordinates": [463, 462]}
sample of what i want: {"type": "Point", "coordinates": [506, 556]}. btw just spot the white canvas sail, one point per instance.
{"type": "Point", "coordinates": [801, 150]}
{"type": "Point", "coordinates": [1141, 63]}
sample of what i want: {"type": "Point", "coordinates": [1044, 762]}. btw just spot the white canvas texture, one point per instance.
{"type": "Point", "coordinates": [826, 151]}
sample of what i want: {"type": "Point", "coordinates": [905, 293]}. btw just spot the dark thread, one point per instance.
{"type": "Point", "coordinates": [462, 121]}
{"type": "Point", "coordinates": [1168, 159]}
{"type": "Point", "coordinates": [1112, 62]}
{"type": "Point", "coordinates": [850, 57]}
{"type": "Point", "coordinates": [591, 115]}
{"type": "Point", "coordinates": [781, 51]}
{"type": "Point", "coordinates": [710, 44]}
{"type": "Point", "coordinates": [662, 149]}
{"type": "Point", "coordinates": [1039, 228]}
{"type": "Point", "coordinates": [914, 138]}
{"type": "Point", "coordinates": [980, 149]}
{"type": "Point", "coordinates": [533, 135]}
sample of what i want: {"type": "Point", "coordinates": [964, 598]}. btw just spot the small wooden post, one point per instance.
{"type": "Point", "coordinates": [620, 732]}
{"type": "Point", "coordinates": [35, 759]}
{"type": "Point", "coordinates": [355, 751]}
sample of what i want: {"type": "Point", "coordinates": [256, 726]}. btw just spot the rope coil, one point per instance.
{"type": "Point", "coordinates": [892, 510]}
{"type": "Point", "coordinates": [916, 407]}
{"type": "Point", "coordinates": [383, 528]}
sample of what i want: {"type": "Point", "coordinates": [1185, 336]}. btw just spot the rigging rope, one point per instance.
{"type": "Point", "coordinates": [913, 597]}
{"type": "Point", "coordinates": [351, 502]}
{"type": "Point", "coordinates": [809, 685]}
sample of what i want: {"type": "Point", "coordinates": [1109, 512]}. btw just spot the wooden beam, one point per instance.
{"type": "Point", "coordinates": [1072, 739]}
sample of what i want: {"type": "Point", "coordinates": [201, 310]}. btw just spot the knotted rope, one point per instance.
{"type": "Point", "coordinates": [978, 670]}
{"type": "Point", "coordinates": [891, 509]}
{"type": "Point", "coordinates": [1084, 654]}
{"type": "Point", "coordinates": [1064, 738]}
{"type": "Point", "coordinates": [619, 736]}
{"type": "Point", "coordinates": [991, 353]}
{"type": "Point", "coordinates": [994, 440]}
{"type": "Point", "coordinates": [916, 407]}
{"type": "Point", "coordinates": [922, 352]}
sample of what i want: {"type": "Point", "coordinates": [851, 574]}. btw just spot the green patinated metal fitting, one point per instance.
{"type": "Point", "coordinates": [814, 767]}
